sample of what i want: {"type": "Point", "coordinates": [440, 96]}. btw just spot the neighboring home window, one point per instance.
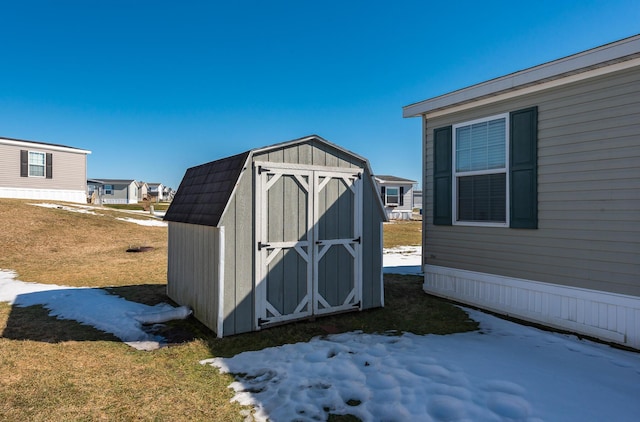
{"type": "Point", "coordinates": [485, 171]}
{"type": "Point", "coordinates": [480, 171]}
{"type": "Point", "coordinates": [108, 189]}
{"type": "Point", "coordinates": [36, 164]}
{"type": "Point", "coordinates": [392, 196]}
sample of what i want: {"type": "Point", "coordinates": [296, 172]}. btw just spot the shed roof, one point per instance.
{"type": "Point", "coordinates": [623, 51]}
{"type": "Point", "coordinates": [205, 190]}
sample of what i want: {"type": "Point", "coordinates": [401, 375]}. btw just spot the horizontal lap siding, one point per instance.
{"type": "Point", "coordinates": [69, 170]}
{"type": "Point", "coordinates": [588, 192]}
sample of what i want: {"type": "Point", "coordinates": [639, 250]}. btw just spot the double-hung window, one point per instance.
{"type": "Point", "coordinates": [480, 163]}
{"type": "Point", "coordinates": [37, 164]}
{"type": "Point", "coordinates": [485, 171]}
{"type": "Point", "coordinates": [108, 189]}
{"type": "Point", "coordinates": [392, 196]}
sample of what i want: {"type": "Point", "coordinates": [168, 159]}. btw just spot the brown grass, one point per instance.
{"type": "Point", "coordinates": [402, 233]}
{"type": "Point", "coordinates": [61, 247]}
{"type": "Point", "coordinates": [60, 370]}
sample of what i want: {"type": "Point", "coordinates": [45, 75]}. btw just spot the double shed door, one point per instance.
{"type": "Point", "coordinates": [308, 233]}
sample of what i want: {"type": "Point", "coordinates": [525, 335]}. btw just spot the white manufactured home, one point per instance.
{"type": "Point", "coordinates": [532, 193]}
{"type": "Point", "coordinates": [276, 234]}
{"type": "Point", "coordinates": [39, 170]}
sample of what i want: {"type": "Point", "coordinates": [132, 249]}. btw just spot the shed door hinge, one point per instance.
{"type": "Point", "coordinates": [263, 245]}
{"type": "Point", "coordinates": [358, 240]}
{"type": "Point", "coordinates": [261, 169]}
{"type": "Point", "coordinates": [262, 321]}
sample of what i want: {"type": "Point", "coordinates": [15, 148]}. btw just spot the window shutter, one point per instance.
{"type": "Point", "coordinates": [523, 170]}
{"type": "Point", "coordinates": [383, 195]}
{"type": "Point", "coordinates": [49, 165]}
{"type": "Point", "coordinates": [401, 198]}
{"type": "Point", "coordinates": [24, 163]}
{"type": "Point", "coordinates": [442, 176]}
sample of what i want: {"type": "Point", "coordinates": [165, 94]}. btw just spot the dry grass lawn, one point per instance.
{"type": "Point", "coordinates": [54, 370]}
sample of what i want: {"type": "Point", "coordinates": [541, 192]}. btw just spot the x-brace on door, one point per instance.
{"type": "Point", "coordinates": [308, 235]}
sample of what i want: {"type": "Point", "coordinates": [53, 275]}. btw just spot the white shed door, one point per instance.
{"type": "Point", "coordinates": [308, 231]}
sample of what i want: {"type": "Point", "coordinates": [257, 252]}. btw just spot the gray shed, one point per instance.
{"type": "Point", "coordinates": [276, 234]}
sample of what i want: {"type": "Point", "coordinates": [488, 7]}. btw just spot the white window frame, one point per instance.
{"type": "Point", "coordinates": [44, 166]}
{"type": "Point", "coordinates": [456, 174]}
{"type": "Point", "coordinates": [386, 196]}
{"type": "Point", "coordinates": [110, 192]}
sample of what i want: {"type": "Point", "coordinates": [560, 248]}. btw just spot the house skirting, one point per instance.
{"type": "Point", "coordinates": [606, 316]}
{"type": "Point", "coordinates": [118, 201]}
{"type": "Point", "coordinates": [79, 196]}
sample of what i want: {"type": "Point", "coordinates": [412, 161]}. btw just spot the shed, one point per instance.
{"type": "Point", "coordinates": [276, 234]}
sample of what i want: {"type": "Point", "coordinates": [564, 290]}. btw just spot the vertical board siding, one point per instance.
{"type": "Point", "coordinates": [239, 306]}
{"type": "Point", "coordinates": [372, 293]}
{"type": "Point", "coordinates": [192, 271]}
{"type": "Point", "coordinates": [588, 232]}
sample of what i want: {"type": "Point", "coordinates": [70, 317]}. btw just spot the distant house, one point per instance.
{"type": "Point", "coordinates": [532, 193]}
{"type": "Point", "coordinates": [397, 196]}
{"type": "Point", "coordinates": [156, 192]}
{"type": "Point", "coordinates": [39, 170]}
{"type": "Point", "coordinates": [417, 198]}
{"type": "Point", "coordinates": [143, 191]}
{"type": "Point", "coordinates": [114, 191]}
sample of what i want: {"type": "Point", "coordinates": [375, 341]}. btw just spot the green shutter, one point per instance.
{"type": "Point", "coordinates": [442, 173]}
{"type": "Point", "coordinates": [24, 163]}
{"type": "Point", "coordinates": [523, 168]}
{"type": "Point", "coordinates": [49, 166]}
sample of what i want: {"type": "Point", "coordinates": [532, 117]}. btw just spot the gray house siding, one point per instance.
{"type": "Point", "coordinates": [68, 171]}
{"type": "Point", "coordinates": [588, 192]}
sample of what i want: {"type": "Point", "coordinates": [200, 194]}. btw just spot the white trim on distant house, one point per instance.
{"type": "Point", "coordinates": [79, 196]}
{"type": "Point", "coordinates": [43, 145]}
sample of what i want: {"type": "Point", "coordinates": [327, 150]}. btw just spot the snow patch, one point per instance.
{"type": "Point", "coordinates": [96, 307]}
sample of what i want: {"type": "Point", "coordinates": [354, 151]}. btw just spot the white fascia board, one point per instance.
{"type": "Point", "coordinates": [606, 55]}
{"type": "Point", "coordinates": [32, 145]}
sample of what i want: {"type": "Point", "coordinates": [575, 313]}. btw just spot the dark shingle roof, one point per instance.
{"type": "Point", "coordinates": [205, 191]}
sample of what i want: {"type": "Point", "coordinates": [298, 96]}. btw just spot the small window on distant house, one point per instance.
{"type": "Point", "coordinates": [36, 164]}
{"type": "Point", "coordinates": [392, 196]}
{"type": "Point", "coordinates": [108, 189]}
{"type": "Point", "coordinates": [480, 171]}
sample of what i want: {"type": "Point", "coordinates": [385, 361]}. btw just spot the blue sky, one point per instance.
{"type": "Point", "coordinates": [155, 87]}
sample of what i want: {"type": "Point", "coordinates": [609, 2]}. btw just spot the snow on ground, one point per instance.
{"type": "Point", "coordinates": [96, 307]}
{"type": "Point", "coordinates": [504, 372]}
{"type": "Point", "coordinates": [402, 260]}
{"type": "Point", "coordinates": [151, 223]}
{"type": "Point", "coordinates": [86, 209]}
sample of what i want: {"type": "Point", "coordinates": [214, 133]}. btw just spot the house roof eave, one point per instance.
{"type": "Point", "coordinates": [624, 50]}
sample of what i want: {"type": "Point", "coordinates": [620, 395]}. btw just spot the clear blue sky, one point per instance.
{"type": "Point", "coordinates": [155, 87]}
